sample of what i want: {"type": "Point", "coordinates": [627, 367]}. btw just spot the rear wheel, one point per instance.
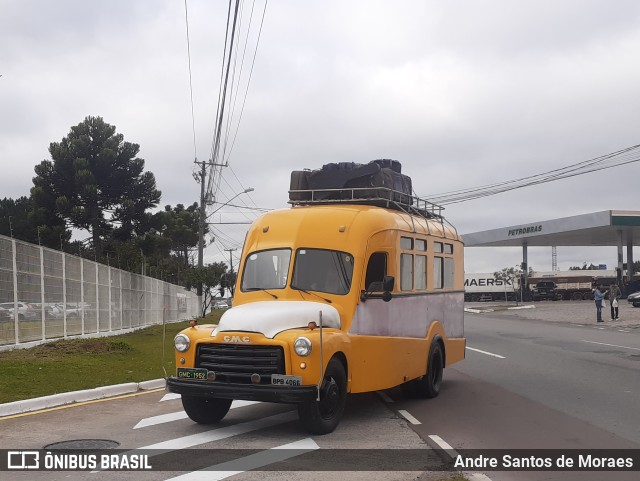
{"type": "Point", "coordinates": [429, 385]}
{"type": "Point", "coordinates": [322, 417]}
{"type": "Point", "coordinates": [205, 410]}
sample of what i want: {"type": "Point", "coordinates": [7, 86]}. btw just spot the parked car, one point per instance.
{"type": "Point", "coordinates": [221, 305]}
{"type": "Point", "coordinates": [634, 299]}
{"type": "Point", "coordinates": [25, 310]}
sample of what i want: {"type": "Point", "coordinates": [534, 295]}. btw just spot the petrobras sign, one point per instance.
{"type": "Point", "coordinates": [532, 229]}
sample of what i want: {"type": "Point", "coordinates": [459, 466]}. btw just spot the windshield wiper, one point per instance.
{"type": "Point", "coordinates": [313, 293]}
{"type": "Point", "coordinates": [253, 289]}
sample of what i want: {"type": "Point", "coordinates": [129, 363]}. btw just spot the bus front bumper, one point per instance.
{"type": "Point", "coordinates": [247, 392]}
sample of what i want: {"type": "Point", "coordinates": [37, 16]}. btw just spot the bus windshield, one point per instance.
{"type": "Point", "coordinates": [323, 271]}
{"type": "Point", "coordinates": [266, 270]}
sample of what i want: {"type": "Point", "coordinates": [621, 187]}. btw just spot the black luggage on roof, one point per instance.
{"type": "Point", "coordinates": [374, 180]}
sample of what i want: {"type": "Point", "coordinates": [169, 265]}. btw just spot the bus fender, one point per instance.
{"type": "Point", "coordinates": [436, 333]}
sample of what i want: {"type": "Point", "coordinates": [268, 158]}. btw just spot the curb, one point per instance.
{"type": "Point", "coordinates": [55, 400]}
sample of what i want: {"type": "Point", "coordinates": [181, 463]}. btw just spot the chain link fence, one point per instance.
{"type": "Point", "coordinates": [47, 294]}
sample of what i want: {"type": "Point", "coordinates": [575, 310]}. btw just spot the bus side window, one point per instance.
{"type": "Point", "coordinates": [376, 270]}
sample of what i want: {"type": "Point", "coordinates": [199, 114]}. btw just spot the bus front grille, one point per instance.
{"type": "Point", "coordinates": [236, 363]}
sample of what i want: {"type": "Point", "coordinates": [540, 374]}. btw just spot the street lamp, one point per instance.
{"type": "Point", "coordinates": [245, 191]}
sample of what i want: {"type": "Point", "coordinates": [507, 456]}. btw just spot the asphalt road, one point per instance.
{"type": "Point", "coordinates": [526, 384]}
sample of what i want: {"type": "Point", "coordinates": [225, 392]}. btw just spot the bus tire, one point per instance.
{"type": "Point", "coordinates": [323, 417]}
{"type": "Point", "coordinates": [428, 386]}
{"type": "Point", "coordinates": [205, 410]}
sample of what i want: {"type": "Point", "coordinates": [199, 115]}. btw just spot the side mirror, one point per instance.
{"type": "Point", "coordinates": [388, 283]}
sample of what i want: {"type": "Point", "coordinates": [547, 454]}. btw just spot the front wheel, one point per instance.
{"type": "Point", "coordinates": [205, 410]}
{"type": "Point", "coordinates": [322, 417]}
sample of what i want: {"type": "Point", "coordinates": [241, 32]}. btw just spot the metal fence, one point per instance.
{"type": "Point", "coordinates": [47, 294]}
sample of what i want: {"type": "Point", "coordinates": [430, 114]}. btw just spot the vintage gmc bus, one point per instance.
{"type": "Point", "coordinates": [332, 297]}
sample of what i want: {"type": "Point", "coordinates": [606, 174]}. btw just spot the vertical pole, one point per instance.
{"type": "Point", "coordinates": [525, 267]}
{"type": "Point", "coordinates": [42, 310]}
{"type": "Point", "coordinates": [629, 258]}
{"type": "Point", "coordinates": [82, 295]}
{"type": "Point", "coordinates": [64, 294]}
{"type": "Point", "coordinates": [203, 214]}
{"type": "Point", "coordinates": [620, 259]}
{"type": "Point", "coordinates": [15, 291]}
{"type": "Point", "coordinates": [97, 299]}
{"type": "Point", "coordinates": [109, 282]}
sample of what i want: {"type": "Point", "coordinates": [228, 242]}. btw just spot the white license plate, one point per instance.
{"type": "Point", "coordinates": [280, 380]}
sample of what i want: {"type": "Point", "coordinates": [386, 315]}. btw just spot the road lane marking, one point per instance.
{"type": "Point", "coordinates": [480, 477]}
{"type": "Point", "coordinates": [384, 396]}
{"type": "Point", "coordinates": [169, 397]}
{"type": "Point", "coordinates": [443, 444]}
{"type": "Point", "coordinates": [185, 442]}
{"type": "Point", "coordinates": [176, 416]}
{"type": "Point", "coordinates": [254, 461]}
{"type": "Point", "coordinates": [222, 433]}
{"type": "Point", "coordinates": [452, 453]}
{"type": "Point", "coordinates": [487, 353]}
{"type": "Point", "coordinates": [612, 345]}
{"type": "Point", "coordinates": [408, 417]}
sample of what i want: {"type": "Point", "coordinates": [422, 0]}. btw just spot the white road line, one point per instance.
{"type": "Point", "coordinates": [487, 353]}
{"type": "Point", "coordinates": [453, 453]}
{"type": "Point", "coordinates": [623, 330]}
{"type": "Point", "coordinates": [443, 444]}
{"type": "Point", "coordinates": [169, 397]}
{"type": "Point", "coordinates": [223, 433]}
{"type": "Point", "coordinates": [247, 463]}
{"type": "Point", "coordinates": [170, 417]}
{"type": "Point", "coordinates": [384, 396]}
{"type": "Point", "coordinates": [408, 417]}
{"type": "Point", "coordinates": [612, 345]}
{"type": "Point", "coordinates": [479, 476]}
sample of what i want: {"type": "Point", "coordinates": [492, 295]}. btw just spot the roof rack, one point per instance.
{"type": "Point", "coordinates": [375, 196]}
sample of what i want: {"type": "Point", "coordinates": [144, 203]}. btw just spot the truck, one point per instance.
{"type": "Point", "coordinates": [352, 289]}
{"type": "Point", "coordinates": [574, 285]}
{"type": "Point", "coordinates": [483, 286]}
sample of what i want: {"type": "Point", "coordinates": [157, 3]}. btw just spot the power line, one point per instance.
{"type": "Point", "coordinates": [193, 118]}
{"type": "Point", "coordinates": [607, 161]}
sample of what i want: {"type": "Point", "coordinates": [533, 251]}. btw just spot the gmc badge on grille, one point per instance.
{"type": "Point", "coordinates": [244, 339]}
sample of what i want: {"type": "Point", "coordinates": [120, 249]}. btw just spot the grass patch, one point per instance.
{"type": "Point", "coordinates": [74, 364]}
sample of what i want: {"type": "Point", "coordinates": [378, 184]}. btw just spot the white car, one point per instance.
{"type": "Point", "coordinates": [25, 310]}
{"type": "Point", "coordinates": [221, 305]}
{"type": "Point", "coordinates": [634, 299]}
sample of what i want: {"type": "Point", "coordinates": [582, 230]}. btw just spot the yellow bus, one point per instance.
{"type": "Point", "coordinates": [332, 297]}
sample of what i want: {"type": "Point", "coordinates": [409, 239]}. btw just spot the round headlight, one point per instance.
{"type": "Point", "coordinates": [181, 342]}
{"type": "Point", "coordinates": [302, 346]}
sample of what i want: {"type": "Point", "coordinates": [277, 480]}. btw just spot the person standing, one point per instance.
{"type": "Point", "coordinates": [614, 295]}
{"type": "Point", "coordinates": [598, 295]}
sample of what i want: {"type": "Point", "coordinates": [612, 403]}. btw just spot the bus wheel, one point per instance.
{"type": "Point", "coordinates": [205, 410]}
{"type": "Point", "coordinates": [429, 385]}
{"type": "Point", "coordinates": [323, 417]}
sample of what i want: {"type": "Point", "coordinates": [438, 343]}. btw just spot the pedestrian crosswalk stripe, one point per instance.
{"type": "Point", "coordinates": [247, 463]}
{"type": "Point", "coordinates": [223, 433]}
{"type": "Point", "coordinates": [176, 416]}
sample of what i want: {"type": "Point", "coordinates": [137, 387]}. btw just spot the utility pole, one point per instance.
{"type": "Point", "coordinates": [203, 216]}
{"type": "Point", "coordinates": [230, 266]}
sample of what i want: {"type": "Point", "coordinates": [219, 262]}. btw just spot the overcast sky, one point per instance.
{"type": "Point", "coordinates": [463, 93]}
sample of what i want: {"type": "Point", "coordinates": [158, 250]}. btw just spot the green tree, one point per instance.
{"type": "Point", "coordinates": [21, 219]}
{"type": "Point", "coordinates": [180, 225]}
{"type": "Point", "coordinates": [510, 274]}
{"type": "Point", "coordinates": [210, 276]}
{"type": "Point", "coordinates": [95, 181]}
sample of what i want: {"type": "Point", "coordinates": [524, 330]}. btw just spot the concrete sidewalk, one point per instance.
{"type": "Point", "coordinates": [573, 312]}
{"type": "Point", "coordinates": [55, 400]}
